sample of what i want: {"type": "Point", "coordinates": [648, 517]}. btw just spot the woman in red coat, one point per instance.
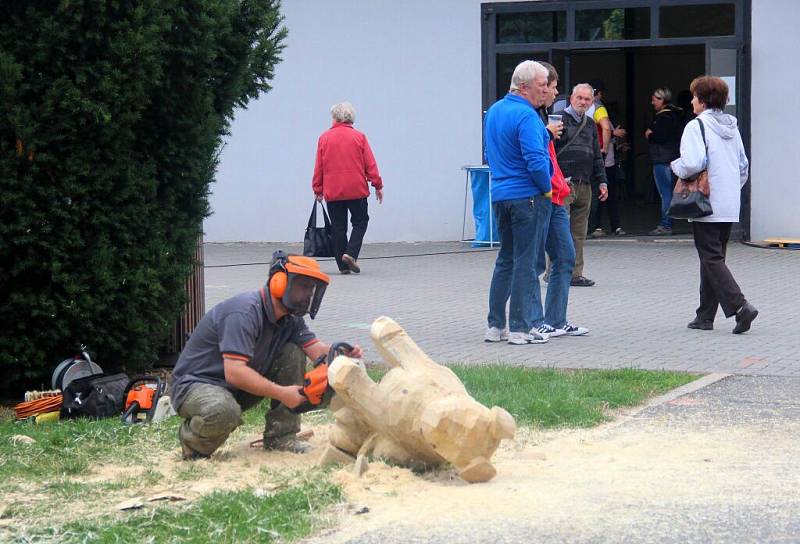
{"type": "Point", "coordinates": [345, 165]}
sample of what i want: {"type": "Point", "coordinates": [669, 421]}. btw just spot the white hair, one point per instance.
{"type": "Point", "coordinates": [663, 93]}
{"type": "Point", "coordinates": [343, 112]}
{"type": "Point", "coordinates": [583, 86]}
{"type": "Point", "coordinates": [525, 72]}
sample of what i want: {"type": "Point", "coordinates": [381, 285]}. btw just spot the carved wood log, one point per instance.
{"type": "Point", "coordinates": [420, 412]}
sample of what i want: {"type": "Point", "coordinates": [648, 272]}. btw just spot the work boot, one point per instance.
{"type": "Point", "coordinates": [188, 454]}
{"type": "Point", "coordinates": [287, 442]}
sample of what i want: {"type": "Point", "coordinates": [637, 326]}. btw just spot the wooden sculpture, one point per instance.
{"type": "Point", "coordinates": [419, 414]}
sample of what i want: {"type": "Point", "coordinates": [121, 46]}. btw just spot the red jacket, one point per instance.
{"type": "Point", "coordinates": [344, 165]}
{"type": "Point", "coordinates": [560, 187]}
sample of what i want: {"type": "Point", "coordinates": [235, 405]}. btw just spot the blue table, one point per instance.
{"type": "Point", "coordinates": [479, 178]}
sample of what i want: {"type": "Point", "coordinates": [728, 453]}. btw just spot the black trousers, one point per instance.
{"type": "Point", "coordinates": [358, 218]}
{"type": "Point", "coordinates": [717, 285]}
{"type": "Point", "coordinates": [611, 204]}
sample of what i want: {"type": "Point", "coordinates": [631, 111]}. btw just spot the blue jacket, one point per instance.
{"type": "Point", "coordinates": [516, 150]}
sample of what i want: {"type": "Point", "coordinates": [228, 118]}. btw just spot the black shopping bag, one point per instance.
{"type": "Point", "coordinates": [317, 242]}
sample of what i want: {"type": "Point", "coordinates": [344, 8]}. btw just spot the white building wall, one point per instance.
{"type": "Point", "coordinates": [411, 68]}
{"type": "Point", "coordinates": [774, 173]}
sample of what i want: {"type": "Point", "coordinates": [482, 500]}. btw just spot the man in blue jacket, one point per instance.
{"type": "Point", "coordinates": [516, 150]}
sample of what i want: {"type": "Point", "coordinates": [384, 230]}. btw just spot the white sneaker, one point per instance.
{"type": "Point", "coordinates": [549, 332]}
{"type": "Point", "coordinates": [520, 338]}
{"type": "Point", "coordinates": [493, 334]}
{"type": "Point", "coordinates": [573, 330]}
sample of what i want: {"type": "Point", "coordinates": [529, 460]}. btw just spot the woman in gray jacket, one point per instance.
{"type": "Point", "coordinates": [721, 152]}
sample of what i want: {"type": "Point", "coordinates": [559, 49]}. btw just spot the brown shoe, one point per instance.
{"type": "Point", "coordinates": [580, 281]}
{"type": "Point", "coordinates": [351, 263]}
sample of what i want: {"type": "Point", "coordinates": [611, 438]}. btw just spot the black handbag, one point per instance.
{"type": "Point", "coordinates": [689, 201]}
{"type": "Point", "coordinates": [690, 197]}
{"type": "Point", "coordinates": [317, 242]}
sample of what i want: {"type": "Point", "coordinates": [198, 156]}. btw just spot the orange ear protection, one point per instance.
{"type": "Point", "coordinates": [282, 264]}
{"type": "Point", "coordinates": [278, 279]}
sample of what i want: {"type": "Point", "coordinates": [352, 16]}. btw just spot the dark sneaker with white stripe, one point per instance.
{"type": "Point", "coordinates": [573, 330]}
{"type": "Point", "coordinates": [550, 332]}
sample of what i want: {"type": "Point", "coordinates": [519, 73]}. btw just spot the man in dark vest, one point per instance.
{"type": "Point", "coordinates": [579, 156]}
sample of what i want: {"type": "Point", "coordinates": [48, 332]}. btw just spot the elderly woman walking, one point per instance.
{"type": "Point", "coordinates": [712, 142]}
{"type": "Point", "coordinates": [344, 166]}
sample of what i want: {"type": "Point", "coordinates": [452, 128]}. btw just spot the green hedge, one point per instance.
{"type": "Point", "coordinates": [111, 119]}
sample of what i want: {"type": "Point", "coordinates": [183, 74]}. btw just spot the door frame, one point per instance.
{"type": "Point", "coordinates": [741, 41]}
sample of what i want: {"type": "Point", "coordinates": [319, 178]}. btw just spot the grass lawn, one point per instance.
{"type": "Point", "coordinates": [64, 485]}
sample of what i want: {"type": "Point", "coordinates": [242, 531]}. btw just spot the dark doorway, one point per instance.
{"type": "Point", "coordinates": [630, 76]}
{"type": "Point", "coordinates": [634, 46]}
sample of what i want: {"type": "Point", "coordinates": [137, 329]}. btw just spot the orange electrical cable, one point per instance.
{"type": "Point", "coordinates": [39, 406]}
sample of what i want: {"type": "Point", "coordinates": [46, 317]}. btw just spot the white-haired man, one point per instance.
{"type": "Point", "coordinates": [344, 167]}
{"type": "Point", "coordinates": [580, 158]}
{"type": "Point", "coordinates": [516, 150]}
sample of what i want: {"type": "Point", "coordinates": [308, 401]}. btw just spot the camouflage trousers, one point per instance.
{"type": "Point", "coordinates": [211, 413]}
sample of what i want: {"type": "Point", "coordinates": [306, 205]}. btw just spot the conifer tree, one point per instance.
{"type": "Point", "coordinates": [111, 119]}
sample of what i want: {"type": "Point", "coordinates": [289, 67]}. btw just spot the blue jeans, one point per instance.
{"type": "Point", "coordinates": [561, 250]}
{"type": "Point", "coordinates": [522, 224]}
{"type": "Point", "coordinates": [665, 184]}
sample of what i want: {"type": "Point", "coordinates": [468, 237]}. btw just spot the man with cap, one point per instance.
{"type": "Point", "coordinates": [248, 347]}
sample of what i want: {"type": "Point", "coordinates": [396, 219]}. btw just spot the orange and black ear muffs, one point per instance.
{"type": "Point", "coordinates": [282, 266]}
{"type": "Point", "coordinates": [278, 278]}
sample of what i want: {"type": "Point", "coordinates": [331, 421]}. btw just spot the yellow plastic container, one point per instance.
{"type": "Point", "coordinates": [48, 417]}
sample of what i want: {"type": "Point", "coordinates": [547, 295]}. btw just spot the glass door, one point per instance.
{"type": "Point", "coordinates": [724, 62]}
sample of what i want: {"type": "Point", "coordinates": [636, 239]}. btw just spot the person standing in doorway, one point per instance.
{"type": "Point", "coordinates": [663, 135]}
{"type": "Point", "coordinates": [344, 167]}
{"type": "Point", "coordinates": [609, 135]}
{"type": "Point", "coordinates": [516, 151]}
{"type": "Point", "coordinates": [712, 142]}
{"type": "Point", "coordinates": [580, 158]}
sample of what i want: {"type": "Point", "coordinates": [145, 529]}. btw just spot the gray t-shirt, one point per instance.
{"type": "Point", "coordinates": [243, 327]}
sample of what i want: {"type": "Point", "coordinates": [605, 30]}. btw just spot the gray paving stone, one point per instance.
{"type": "Point", "coordinates": [646, 292]}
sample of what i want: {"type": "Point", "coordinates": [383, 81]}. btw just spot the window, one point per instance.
{"type": "Point", "coordinates": [507, 63]}
{"type": "Point", "coordinates": [702, 20]}
{"type": "Point", "coordinates": [612, 24]}
{"type": "Point", "coordinates": [536, 27]}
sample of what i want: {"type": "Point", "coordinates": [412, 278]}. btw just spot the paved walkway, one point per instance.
{"type": "Point", "coordinates": [646, 292]}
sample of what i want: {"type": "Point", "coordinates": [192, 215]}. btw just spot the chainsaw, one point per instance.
{"type": "Point", "coordinates": [141, 398]}
{"type": "Point", "coordinates": [316, 388]}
